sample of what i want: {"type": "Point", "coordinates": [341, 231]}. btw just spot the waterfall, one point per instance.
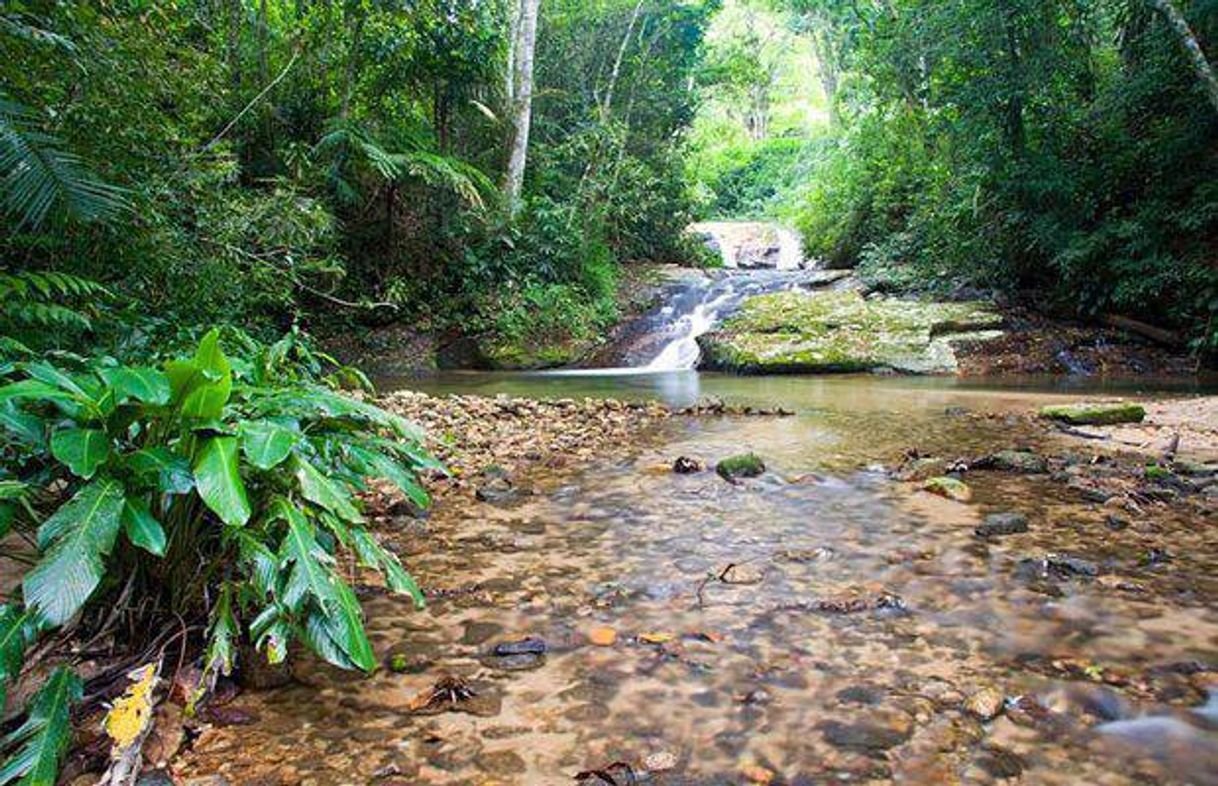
{"type": "Point", "coordinates": [757, 257]}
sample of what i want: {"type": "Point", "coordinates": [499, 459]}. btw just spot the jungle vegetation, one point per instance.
{"type": "Point", "coordinates": [187, 188]}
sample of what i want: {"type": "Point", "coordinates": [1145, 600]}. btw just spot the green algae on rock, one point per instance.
{"type": "Point", "coordinates": [746, 465]}
{"type": "Point", "coordinates": [834, 331]}
{"type": "Point", "coordinates": [1095, 414]}
{"type": "Point", "coordinates": [950, 488]}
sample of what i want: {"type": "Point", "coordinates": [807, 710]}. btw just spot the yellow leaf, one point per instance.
{"type": "Point", "coordinates": [655, 637]}
{"type": "Point", "coordinates": [131, 713]}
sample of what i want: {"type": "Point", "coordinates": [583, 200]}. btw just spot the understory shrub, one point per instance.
{"type": "Point", "coordinates": [208, 487]}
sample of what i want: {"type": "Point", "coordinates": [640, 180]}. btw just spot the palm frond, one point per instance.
{"type": "Point", "coordinates": [39, 179]}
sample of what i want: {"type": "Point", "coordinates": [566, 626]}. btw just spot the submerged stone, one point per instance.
{"type": "Point", "coordinates": [997, 524]}
{"type": "Point", "coordinates": [1100, 414]}
{"type": "Point", "coordinates": [746, 465]}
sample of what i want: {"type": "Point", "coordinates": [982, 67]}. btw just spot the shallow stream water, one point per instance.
{"type": "Point", "coordinates": [855, 640]}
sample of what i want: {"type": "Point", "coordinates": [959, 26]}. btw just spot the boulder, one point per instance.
{"type": "Point", "coordinates": [839, 330]}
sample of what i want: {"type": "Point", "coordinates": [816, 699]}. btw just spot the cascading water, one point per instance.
{"type": "Point", "coordinates": [758, 258]}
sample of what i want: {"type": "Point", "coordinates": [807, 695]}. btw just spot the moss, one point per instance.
{"type": "Point", "coordinates": [510, 356]}
{"type": "Point", "coordinates": [840, 331]}
{"type": "Point", "coordinates": [949, 487]}
{"type": "Point", "coordinates": [398, 663]}
{"type": "Point", "coordinates": [1095, 414]}
{"type": "Point", "coordinates": [746, 465]}
{"type": "Point", "coordinates": [1158, 473]}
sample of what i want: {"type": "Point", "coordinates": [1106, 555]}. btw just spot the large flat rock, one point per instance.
{"type": "Point", "coordinates": [798, 332]}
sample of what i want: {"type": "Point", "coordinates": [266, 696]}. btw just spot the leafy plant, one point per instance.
{"type": "Point", "coordinates": [199, 480]}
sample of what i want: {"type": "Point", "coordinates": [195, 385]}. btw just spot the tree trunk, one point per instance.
{"type": "Point", "coordinates": [509, 75]}
{"type": "Point", "coordinates": [607, 103]}
{"type": "Point", "coordinates": [1202, 67]}
{"type": "Point", "coordinates": [522, 111]}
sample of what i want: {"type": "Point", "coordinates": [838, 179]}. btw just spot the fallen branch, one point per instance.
{"type": "Point", "coordinates": [1159, 335]}
{"type": "Point", "coordinates": [251, 103]}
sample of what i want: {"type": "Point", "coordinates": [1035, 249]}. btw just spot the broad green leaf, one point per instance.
{"type": "Point", "coordinates": [18, 629]}
{"type": "Point", "coordinates": [37, 390]}
{"type": "Point", "coordinates": [320, 490]}
{"type": "Point", "coordinates": [181, 375]}
{"type": "Point", "coordinates": [142, 528]}
{"type": "Point", "coordinates": [309, 564]}
{"type": "Point", "coordinates": [42, 740]}
{"type": "Point", "coordinates": [218, 479]}
{"type": "Point", "coordinates": [82, 450]}
{"type": "Point", "coordinates": [75, 540]}
{"type": "Point", "coordinates": [373, 555]}
{"type": "Point", "coordinates": [210, 358]}
{"type": "Point", "coordinates": [169, 471]}
{"type": "Point", "coordinates": [378, 465]}
{"type": "Point", "coordinates": [267, 443]}
{"type": "Point", "coordinates": [316, 634]}
{"type": "Point", "coordinates": [148, 385]}
{"type": "Point", "coordinates": [260, 561]}
{"type": "Point", "coordinates": [206, 400]}
{"type": "Point", "coordinates": [30, 429]}
{"type": "Point", "coordinates": [345, 624]}
{"type": "Point", "coordinates": [79, 387]}
{"type": "Point", "coordinates": [202, 386]}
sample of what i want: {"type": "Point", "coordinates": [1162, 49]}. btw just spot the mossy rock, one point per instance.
{"type": "Point", "coordinates": [840, 331]}
{"type": "Point", "coordinates": [950, 488]}
{"type": "Point", "coordinates": [1100, 414]}
{"type": "Point", "coordinates": [746, 465]}
{"type": "Point", "coordinates": [508, 356]}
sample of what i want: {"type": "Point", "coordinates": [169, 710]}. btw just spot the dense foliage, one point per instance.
{"type": "Point", "coordinates": [205, 487]}
{"type": "Point", "coordinates": [1033, 145]}
{"type": "Point", "coordinates": [262, 162]}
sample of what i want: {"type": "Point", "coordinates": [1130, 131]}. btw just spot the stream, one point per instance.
{"type": "Point", "coordinates": [821, 624]}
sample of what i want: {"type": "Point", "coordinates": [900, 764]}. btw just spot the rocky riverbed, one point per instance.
{"type": "Point", "coordinates": [638, 615]}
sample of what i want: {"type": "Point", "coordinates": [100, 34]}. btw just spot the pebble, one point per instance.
{"type": "Point", "coordinates": [660, 761]}
{"type": "Point", "coordinates": [986, 704]}
{"type": "Point", "coordinates": [602, 637]}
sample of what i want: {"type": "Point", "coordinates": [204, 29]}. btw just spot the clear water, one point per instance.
{"type": "Point", "coordinates": [813, 673]}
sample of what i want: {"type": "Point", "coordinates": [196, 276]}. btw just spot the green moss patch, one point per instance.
{"type": "Point", "coordinates": [746, 465]}
{"type": "Point", "coordinates": [810, 332]}
{"type": "Point", "coordinates": [1095, 414]}
{"type": "Point", "coordinates": [950, 488]}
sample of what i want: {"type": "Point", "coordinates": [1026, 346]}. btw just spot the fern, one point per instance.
{"type": "Point", "coordinates": [351, 143]}
{"type": "Point", "coordinates": [42, 739]}
{"type": "Point", "coordinates": [35, 300]}
{"type": "Point", "coordinates": [39, 179]}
